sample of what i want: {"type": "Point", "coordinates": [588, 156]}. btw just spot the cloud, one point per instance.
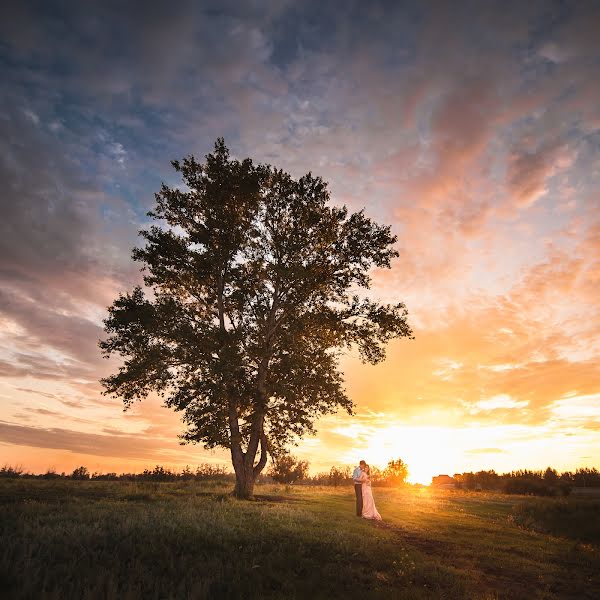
{"type": "Point", "coordinates": [122, 446]}
{"type": "Point", "coordinates": [480, 150]}
{"type": "Point", "coordinates": [486, 451]}
{"type": "Point", "coordinates": [528, 172]}
{"type": "Point", "coordinates": [30, 391]}
{"type": "Point", "coordinates": [500, 401]}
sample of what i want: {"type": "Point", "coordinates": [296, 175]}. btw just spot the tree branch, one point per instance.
{"type": "Point", "coordinates": [263, 455]}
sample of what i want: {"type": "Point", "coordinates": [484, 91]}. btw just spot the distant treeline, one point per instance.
{"type": "Point", "coordinates": [539, 483]}
{"type": "Point", "coordinates": [203, 471]}
{"type": "Point", "coordinates": [285, 469]}
{"type": "Point", "coordinates": [288, 469]}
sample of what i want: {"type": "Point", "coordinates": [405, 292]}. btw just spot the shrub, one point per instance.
{"type": "Point", "coordinates": [11, 472]}
{"type": "Point", "coordinates": [288, 469]}
{"type": "Point", "coordinates": [208, 471]}
{"type": "Point", "coordinates": [339, 475]}
{"type": "Point", "coordinates": [576, 519]}
{"type": "Point", "coordinates": [52, 474]}
{"type": "Point", "coordinates": [395, 473]}
{"type": "Point", "coordinates": [80, 473]}
{"type": "Point", "coordinates": [534, 487]}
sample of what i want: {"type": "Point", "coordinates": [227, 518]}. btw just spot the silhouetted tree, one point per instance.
{"type": "Point", "coordinates": [80, 473]}
{"type": "Point", "coordinates": [186, 473]}
{"type": "Point", "coordinates": [52, 474]}
{"type": "Point", "coordinates": [586, 477]}
{"type": "Point", "coordinates": [10, 472]}
{"type": "Point", "coordinates": [339, 475]}
{"type": "Point", "coordinates": [551, 476]}
{"type": "Point", "coordinates": [251, 277]}
{"type": "Point", "coordinates": [288, 469]}
{"type": "Point", "coordinates": [159, 473]}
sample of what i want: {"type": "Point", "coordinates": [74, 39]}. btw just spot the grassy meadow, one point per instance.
{"type": "Point", "coordinates": [97, 539]}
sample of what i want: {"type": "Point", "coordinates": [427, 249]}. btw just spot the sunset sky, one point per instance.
{"type": "Point", "coordinates": [473, 128]}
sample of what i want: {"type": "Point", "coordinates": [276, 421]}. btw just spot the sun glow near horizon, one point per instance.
{"type": "Point", "coordinates": [430, 450]}
{"type": "Point", "coordinates": [420, 448]}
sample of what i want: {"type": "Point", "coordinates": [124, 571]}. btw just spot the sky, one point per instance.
{"type": "Point", "coordinates": [472, 128]}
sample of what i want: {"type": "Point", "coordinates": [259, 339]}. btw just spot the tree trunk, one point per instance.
{"type": "Point", "coordinates": [246, 472]}
{"type": "Point", "coordinates": [244, 484]}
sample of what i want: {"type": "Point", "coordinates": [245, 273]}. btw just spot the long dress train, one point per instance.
{"type": "Point", "coordinates": [369, 510]}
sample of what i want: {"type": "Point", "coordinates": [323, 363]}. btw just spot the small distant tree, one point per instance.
{"type": "Point", "coordinates": [80, 473]}
{"type": "Point", "coordinates": [586, 477]}
{"type": "Point", "coordinates": [210, 471]}
{"type": "Point", "coordinates": [376, 475]}
{"type": "Point", "coordinates": [11, 472]}
{"type": "Point", "coordinates": [395, 472]}
{"type": "Point", "coordinates": [105, 476]}
{"type": "Point", "coordinates": [551, 476]}
{"type": "Point", "coordinates": [159, 473]}
{"type": "Point", "coordinates": [253, 277]}
{"type": "Point", "coordinates": [288, 469]}
{"type": "Point", "coordinates": [52, 474]}
{"type": "Point", "coordinates": [186, 473]}
{"type": "Point", "coordinates": [339, 475]}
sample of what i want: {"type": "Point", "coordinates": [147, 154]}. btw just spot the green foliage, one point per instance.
{"type": "Point", "coordinates": [288, 469]}
{"type": "Point", "coordinates": [252, 275]}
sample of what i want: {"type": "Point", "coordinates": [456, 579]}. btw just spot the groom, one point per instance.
{"type": "Point", "coordinates": [358, 487]}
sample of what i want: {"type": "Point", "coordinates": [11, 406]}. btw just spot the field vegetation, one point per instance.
{"type": "Point", "coordinates": [64, 538]}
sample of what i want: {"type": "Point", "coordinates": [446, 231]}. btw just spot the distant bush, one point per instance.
{"type": "Point", "coordinates": [80, 473]}
{"type": "Point", "coordinates": [288, 469]}
{"type": "Point", "coordinates": [159, 473]}
{"type": "Point", "coordinates": [208, 471]}
{"type": "Point", "coordinates": [394, 474]}
{"type": "Point", "coordinates": [10, 472]}
{"type": "Point", "coordinates": [104, 476]}
{"type": "Point", "coordinates": [338, 476]}
{"type": "Point", "coordinates": [526, 486]}
{"type": "Point", "coordinates": [482, 480]}
{"type": "Point", "coordinates": [576, 519]}
{"type": "Point", "coordinates": [52, 474]}
{"type": "Point", "coordinates": [534, 483]}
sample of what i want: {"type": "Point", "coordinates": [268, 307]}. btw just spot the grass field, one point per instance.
{"type": "Point", "coordinates": [77, 539]}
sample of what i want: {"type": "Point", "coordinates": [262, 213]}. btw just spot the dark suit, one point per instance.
{"type": "Point", "coordinates": [359, 504]}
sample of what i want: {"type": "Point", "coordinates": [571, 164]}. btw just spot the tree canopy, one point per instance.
{"type": "Point", "coordinates": [253, 281]}
{"type": "Point", "coordinates": [396, 471]}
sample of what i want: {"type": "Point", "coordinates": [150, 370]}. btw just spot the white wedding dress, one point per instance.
{"type": "Point", "coordinates": [369, 510]}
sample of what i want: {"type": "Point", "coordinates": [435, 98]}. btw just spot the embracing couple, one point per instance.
{"type": "Point", "coordinates": [365, 505]}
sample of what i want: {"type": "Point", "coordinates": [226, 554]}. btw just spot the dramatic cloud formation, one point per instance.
{"type": "Point", "coordinates": [472, 128]}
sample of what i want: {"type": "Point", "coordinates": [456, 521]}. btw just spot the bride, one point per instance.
{"type": "Point", "coordinates": [369, 510]}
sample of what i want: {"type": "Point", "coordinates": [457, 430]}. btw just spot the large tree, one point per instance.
{"type": "Point", "coordinates": [253, 279]}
